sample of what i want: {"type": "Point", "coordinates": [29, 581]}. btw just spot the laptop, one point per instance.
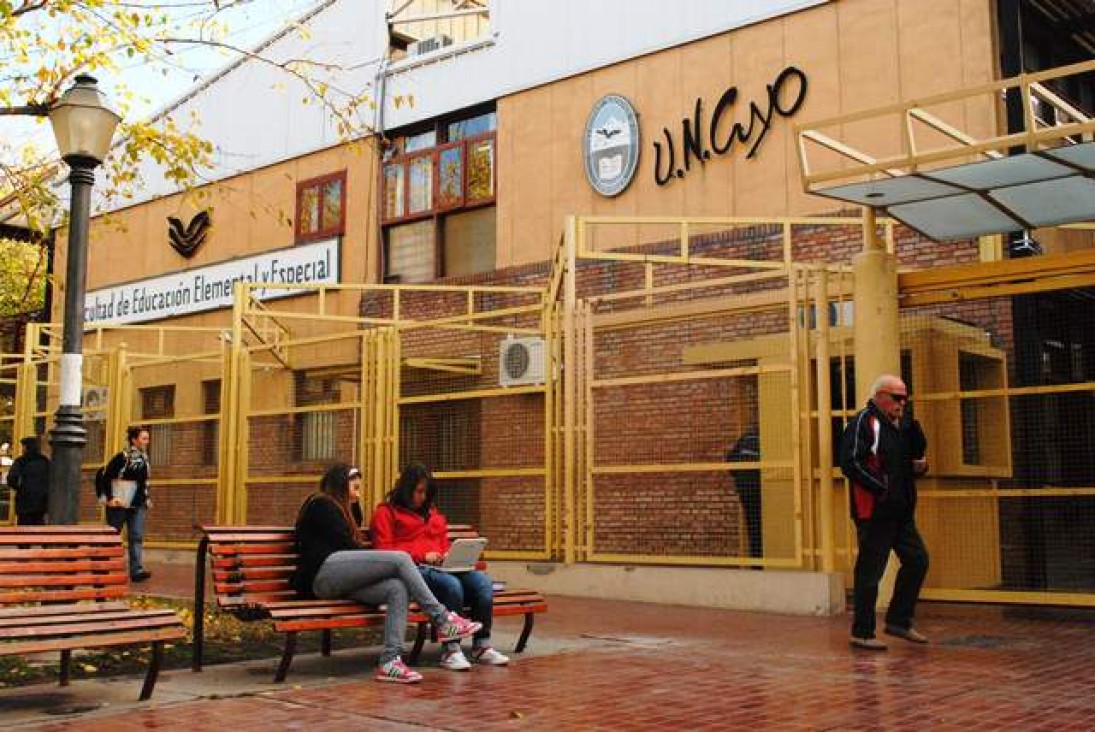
{"type": "Point", "coordinates": [463, 554]}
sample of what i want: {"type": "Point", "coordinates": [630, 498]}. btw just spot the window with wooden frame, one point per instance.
{"type": "Point", "coordinates": [158, 402]}
{"type": "Point", "coordinates": [437, 200]}
{"type": "Point", "coordinates": [321, 207]}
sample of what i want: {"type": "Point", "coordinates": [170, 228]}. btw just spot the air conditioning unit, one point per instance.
{"type": "Point", "coordinates": [426, 45]}
{"type": "Point", "coordinates": [95, 398]}
{"type": "Point", "coordinates": [521, 361]}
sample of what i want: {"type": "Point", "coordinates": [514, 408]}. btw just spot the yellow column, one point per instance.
{"type": "Point", "coordinates": [875, 325]}
{"type": "Point", "coordinates": [876, 330]}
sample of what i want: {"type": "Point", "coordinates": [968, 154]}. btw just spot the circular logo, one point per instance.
{"type": "Point", "coordinates": [611, 145]}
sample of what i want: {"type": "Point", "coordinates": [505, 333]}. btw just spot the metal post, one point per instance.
{"type": "Point", "coordinates": [68, 436]}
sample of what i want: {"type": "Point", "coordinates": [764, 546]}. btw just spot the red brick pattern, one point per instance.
{"type": "Point", "coordinates": [628, 666]}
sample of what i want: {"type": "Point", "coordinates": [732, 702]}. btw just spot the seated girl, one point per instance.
{"type": "Point", "coordinates": [408, 521]}
{"type": "Point", "coordinates": [334, 565]}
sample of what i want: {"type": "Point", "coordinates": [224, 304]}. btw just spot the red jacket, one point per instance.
{"type": "Point", "coordinates": [395, 528]}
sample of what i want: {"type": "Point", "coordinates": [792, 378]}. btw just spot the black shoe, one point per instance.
{"type": "Point", "coordinates": [141, 576]}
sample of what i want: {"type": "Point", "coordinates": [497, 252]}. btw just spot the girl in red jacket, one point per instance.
{"type": "Point", "coordinates": [408, 521]}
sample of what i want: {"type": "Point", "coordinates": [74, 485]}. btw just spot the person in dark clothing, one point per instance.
{"type": "Point", "coordinates": [127, 474]}
{"type": "Point", "coordinates": [29, 478]}
{"type": "Point", "coordinates": [882, 453]}
{"type": "Point", "coordinates": [747, 486]}
{"type": "Point", "coordinates": [334, 564]}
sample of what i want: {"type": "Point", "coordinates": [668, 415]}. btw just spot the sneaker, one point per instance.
{"type": "Point", "coordinates": [869, 644]}
{"type": "Point", "coordinates": [397, 672]}
{"type": "Point", "coordinates": [454, 660]}
{"type": "Point", "coordinates": [910, 634]}
{"type": "Point", "coordinates": [489, 657]}
{"type": "Point", "coordinates": [456, 628]}
{"type": "Point", "coordinates": [141, 576]}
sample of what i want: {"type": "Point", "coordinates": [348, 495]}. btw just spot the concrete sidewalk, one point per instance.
{"type": "Point", "coordinates": [595, 664]}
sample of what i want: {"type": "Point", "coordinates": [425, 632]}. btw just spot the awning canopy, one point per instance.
{"type": "Point", "coordinates": [949, 184]}
{"type": "Point", "coordinates": [1016, 193]}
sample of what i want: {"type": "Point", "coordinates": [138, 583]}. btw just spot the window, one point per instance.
{"type": "Point", "coordinates": [211, 404]}
{"type": "Point", "coordinates": [317, 429]}
{"type": "Point", "coordinates": [321, 207]}
{"type": "Point", "coordinates": [438, 191]}
{"type": "Point", "coordinates": [158, 402]}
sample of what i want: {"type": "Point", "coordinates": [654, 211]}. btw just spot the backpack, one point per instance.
{"type": "Point", "coordinates": [102, 483]}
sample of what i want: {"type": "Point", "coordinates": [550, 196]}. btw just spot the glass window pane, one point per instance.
{"type": "Point", "coordinates": [421, 141]}
{"type": "Point", "coordinates": [421, 179]}
{"type": "Point", "coordinates": [450, 175]}
{"type": "Point", "coordinates": [393, 191]}
{"type": "Point", "coordinates": [470, 241]}
{"type": "Point", "coordinates": [308, 210]}
{"type": "Point", "coordinates": [472, 126]}
{"type": "Point", "coordinates": [332, 206]}
{"type": "Point", "coordinates": [481, 170]}
{"type": "Point", "coordinates": [411, 251]}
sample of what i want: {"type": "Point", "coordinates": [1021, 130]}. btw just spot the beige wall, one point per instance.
{"type": "Point", "coordinates": [857, 54]}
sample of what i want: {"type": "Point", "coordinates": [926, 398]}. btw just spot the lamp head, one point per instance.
{"type": "Point", "coordinates": [82, 123]}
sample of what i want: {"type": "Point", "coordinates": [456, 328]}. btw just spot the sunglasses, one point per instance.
{"type": "Point", "coordinates": [902, 398]}
{"type": "Point", "coordinates": [354, 473]}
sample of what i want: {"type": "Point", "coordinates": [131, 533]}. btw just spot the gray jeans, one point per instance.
{"type": "Point", "coordinates": [379, 578]}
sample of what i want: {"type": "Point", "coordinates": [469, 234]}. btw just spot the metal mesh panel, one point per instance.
{"type": "Point", "coordinates": [1005, 388]}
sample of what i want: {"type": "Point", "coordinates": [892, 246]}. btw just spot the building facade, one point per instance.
{"type": "Point", "coordinates": [672, 131]}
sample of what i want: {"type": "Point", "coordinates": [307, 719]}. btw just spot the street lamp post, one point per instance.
{"type": "Point", "coordinates": [84, 127]}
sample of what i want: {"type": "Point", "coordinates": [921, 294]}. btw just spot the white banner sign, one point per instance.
{"type": "Point", "coordinates": [210, 288]}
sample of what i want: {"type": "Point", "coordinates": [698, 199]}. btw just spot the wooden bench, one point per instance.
{"type": "Point", "coordinates": [58, 592]}
{"type": "Point", "coordinates": [251, 566]}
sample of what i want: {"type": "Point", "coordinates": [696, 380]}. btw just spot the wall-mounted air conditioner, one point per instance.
{"type": "Point", "coordinates": [521, 361]}
{"type": "Point", "coordinates": [426, 45]}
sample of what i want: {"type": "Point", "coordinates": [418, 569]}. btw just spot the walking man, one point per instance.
{"type": "Point", "coordinates": [29, 478]}
{"type": "Point", "coordinates": [881, 454]}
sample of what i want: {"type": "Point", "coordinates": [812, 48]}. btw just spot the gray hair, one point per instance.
{"type": "Point", "coordinates": [879, 384]}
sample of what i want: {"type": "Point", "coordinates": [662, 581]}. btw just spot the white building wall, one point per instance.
{"type": "Point", "coordinates": [254, 113]}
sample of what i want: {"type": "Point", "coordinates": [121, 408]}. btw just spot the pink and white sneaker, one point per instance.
{"type": "Point", "coordinates": [397, 672]}
{"type": "Point", "coordinates": [456, 628]}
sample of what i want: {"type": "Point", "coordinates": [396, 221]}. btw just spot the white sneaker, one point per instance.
{"type": "Point", "coordinates": [454, 661]}
{"type": "Point", "coordinates": [489, 657]}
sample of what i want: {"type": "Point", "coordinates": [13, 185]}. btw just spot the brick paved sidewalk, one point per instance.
{"type": "Point", "coordinates": [613, 665]}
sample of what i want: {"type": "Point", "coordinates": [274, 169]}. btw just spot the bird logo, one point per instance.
{"type": "Point", "coordinates": [185, 239]}
{"type": "Point", "coordinates": [607, 133]}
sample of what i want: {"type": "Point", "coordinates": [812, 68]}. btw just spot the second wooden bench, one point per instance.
{"type": "Point", "coordinates": [251, 566]}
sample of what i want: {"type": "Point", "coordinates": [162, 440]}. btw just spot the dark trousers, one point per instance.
{"type": "Point", "coordinates": [750, 504]}
{"type": "Point", "coordinates": [876, 538]}
{"type": "Point", "coordinates": [34, 518]}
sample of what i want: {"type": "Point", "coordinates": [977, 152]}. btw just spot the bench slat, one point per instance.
{"type": "Point", "coordinates": [81, 552]}
{"type": "Point", "coordinates": [75, 580]}
{"type": "Point", "coordinates": [21, 648]}
{"type": "Point", "coordinates": [26, 596]}
{"type": "Point", "coordinates": [253, 573]}
{"type": "Point", "coordinates": [79, 529]}
{"type": "Point", "coordinates": [24, 538]}
{"type": "Point", "coordinates": [44, 611]}
{"type": "Point", "coordinates": [136, 620]}
{"type": "Point", "coordinates": [68, 567]}
{"type": "Point", "coordinates": [119, 613]}
{"type": "Point", "coordinates": [284, 560]}
{"type": "Point", "coordinates": [286, 549]}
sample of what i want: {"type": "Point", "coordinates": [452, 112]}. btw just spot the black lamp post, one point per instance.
{"type": "Point", "coordinates": [84, 127]}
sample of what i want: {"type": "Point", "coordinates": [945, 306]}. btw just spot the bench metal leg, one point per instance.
{"type": "Point", "coordinates": [66, 667]}
{"type": "Point", "coordinates": [286, 656]}
{"type": "Point", "coordinates": [153, 670]}
{"type": "Point", "coordinates": [525, 633]}
{"type": "Point", "coordinates": [419, 641]}
{"type": "Point", "coordinates": [325, 646]}
{"type": "Point", "coordinates": [198, 646]}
